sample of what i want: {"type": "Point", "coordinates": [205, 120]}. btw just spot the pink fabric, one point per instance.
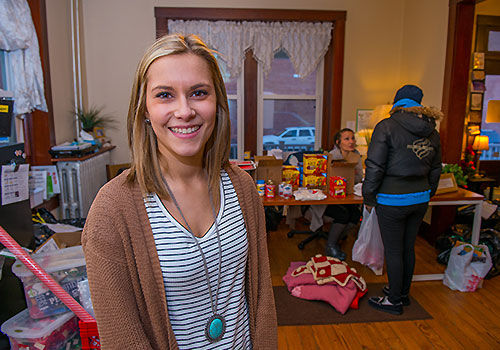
{"type": "Point", "coordinates": [305, 287]}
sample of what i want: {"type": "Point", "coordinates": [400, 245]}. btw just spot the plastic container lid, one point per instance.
{"type": "Point", "coordinates": [57, 260]}
{"type": "Point", "coordinates": [23, 326]}
{"type": "Point", "coordinates": [260, 182]}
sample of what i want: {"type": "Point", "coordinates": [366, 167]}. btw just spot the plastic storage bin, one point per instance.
{"type": "Point", "coordinates": [50, 333]}
{"type": "Point", "coordinates": [66, 266]}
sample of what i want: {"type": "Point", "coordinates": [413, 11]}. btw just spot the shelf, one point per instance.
{"type": "Point", "coordinates": [87, 156]}
{"type": "Point", "coordinates": [49, 204]}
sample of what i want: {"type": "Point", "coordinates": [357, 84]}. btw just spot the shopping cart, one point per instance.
{"type": "Point", "coordinates": [87, 324]}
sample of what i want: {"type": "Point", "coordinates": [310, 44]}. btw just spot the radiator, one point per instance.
{"type": "Point", "coordinates": [80, 182]}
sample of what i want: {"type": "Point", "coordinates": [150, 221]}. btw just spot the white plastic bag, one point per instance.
{"type": "Point", "coordinates": [368, 248]}
{"type": "Point", "coordinates": [467, 266]}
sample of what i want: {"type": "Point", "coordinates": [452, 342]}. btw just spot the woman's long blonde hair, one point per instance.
{"type": "Point", "coordinates": [145, 166]}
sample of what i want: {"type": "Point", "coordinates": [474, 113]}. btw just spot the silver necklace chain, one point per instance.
{"type": "Point", "coordinates": [214, 305]}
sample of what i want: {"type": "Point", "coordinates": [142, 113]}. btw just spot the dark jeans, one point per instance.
{"type": "Point", "coordinates": [399, 227]}
{"type": "Point", "coordinates": [343, 213]}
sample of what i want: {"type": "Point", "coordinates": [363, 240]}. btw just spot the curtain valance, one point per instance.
{"type": "Point", "coordinates": [305, 43]}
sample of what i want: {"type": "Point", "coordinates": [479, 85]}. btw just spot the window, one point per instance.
{"type": "Point", "coordinates": [4, 85]}
{"type": "Point", "coordinates": [267, 110]}
{"type": "Point", "coordinates": [234, 99]}
{"type": "Point", "coordinates": [488, 41]}
{"type": "Point", "coordinates": [290, 103]}
{"type": "Point", "coordinates": [3, 70]}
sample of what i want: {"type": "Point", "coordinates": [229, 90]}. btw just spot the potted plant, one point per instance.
{"type": "Point", "coordinates": [457, 172]}
{"type": "Point", "coordinates": [93, 117]}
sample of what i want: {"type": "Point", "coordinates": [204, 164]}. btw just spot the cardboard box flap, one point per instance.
{"type": "Point", "coordinates": [341, 164]}
{"type": "Point", "coordinates": [269, 168]}
{"type": "Point", "coordinates": [270, 162]}
{"type": "Point", "coordinates": [343, 169]}
{"type": "Point", "coordinates": [267, 161]}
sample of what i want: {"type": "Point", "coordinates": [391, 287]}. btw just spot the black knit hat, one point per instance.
{"type": "Point", "coordinates": [409, 91]}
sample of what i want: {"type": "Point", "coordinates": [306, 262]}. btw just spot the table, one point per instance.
{"type": "Point", "coordinates": [476, 184]}
{"type": "Point", "coordinates": [85, 157]}
{"type": "Point", "coordinates": [460, 197]}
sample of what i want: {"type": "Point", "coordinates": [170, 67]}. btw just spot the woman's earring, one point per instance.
{"type": "Point", "coordinates": [147, 121]}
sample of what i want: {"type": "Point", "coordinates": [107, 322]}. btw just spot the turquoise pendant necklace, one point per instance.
{"type": "Point", "coordinates": [216, 324]}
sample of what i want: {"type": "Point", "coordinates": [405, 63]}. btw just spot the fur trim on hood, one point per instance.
{"type": "Point", "coordinates": [431, 112]}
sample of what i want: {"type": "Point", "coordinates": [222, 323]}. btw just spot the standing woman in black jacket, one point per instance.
{"type": "Point", "coordinates": [402, 174]}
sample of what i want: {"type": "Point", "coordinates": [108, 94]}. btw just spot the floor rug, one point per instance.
{"type": "Point", "coordinates": [294, 311]}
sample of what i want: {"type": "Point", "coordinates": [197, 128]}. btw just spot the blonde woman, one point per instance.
{"type": "Point", "coordinates": [176, 246]}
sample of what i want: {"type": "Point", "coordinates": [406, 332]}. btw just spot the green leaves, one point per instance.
{"type": "Point", "coordinates": [89, 119]}
{"type": "Point", "coordinates": [457, 171]}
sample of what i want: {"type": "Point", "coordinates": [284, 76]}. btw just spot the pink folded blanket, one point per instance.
{"type": "Point", "coordinates": [327, 279]}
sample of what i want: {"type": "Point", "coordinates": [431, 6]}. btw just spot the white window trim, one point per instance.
{"type": "Point", "coordinates": [240, 130]}
{"type": "Point", "coordinates": [288, 97]}
{"type": "Point", "coordinates": [260, 108]}
{"type": "Point", "coordinates": [319, 103]}
{"type": "Point", "coordinates": [318, 98]}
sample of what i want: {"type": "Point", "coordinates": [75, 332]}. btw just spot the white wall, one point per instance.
{"type": "Point", "coordinates": [388, 43]}
{"type": "Point", "coordinates": [423, 48]}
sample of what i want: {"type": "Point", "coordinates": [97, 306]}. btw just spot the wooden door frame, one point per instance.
{"type": "Point", "coordinates": [39, 133]}
{"type": "Point", "coordinates": [456, 77]}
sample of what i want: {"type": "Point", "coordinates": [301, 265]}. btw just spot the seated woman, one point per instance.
{"type": "Point", "coordinates": [344, 215]}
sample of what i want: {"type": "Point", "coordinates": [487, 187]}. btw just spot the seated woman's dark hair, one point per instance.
{"type": "Point", "coordinates": [338, 135]}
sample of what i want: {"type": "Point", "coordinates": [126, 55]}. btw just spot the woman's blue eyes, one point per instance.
{"type": "Point", "coordinates": [164, 95]}
{"type": "Point", "coordinates": [199, 93]}
{"type": "Point", "coordinates": [196, 93]}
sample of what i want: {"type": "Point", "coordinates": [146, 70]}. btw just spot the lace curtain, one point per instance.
{"type": "Point", "coordinates": [305, 43]}
{"type": "Point", "coordinates": [18, 38]}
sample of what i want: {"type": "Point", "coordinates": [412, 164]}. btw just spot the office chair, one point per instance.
{"type": "Point", "coordinates": [312, 235]}
{"type": "Point", "coordinates": [296, 158]}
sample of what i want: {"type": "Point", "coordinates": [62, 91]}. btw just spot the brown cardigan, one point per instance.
{"type": "Point", "coordinates": [125, 278]}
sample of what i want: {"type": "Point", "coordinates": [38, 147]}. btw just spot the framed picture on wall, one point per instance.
{"type": "Point", "coordinates": [363, 118]}
{"type": "Point", "coordinates": [478, 75]}
{"type": "Point", "coordinates": [476, 102]}
{"type": "Point", "coordinates": [478, 60]}
{"type": "Point", "coordinates": [475, 117]}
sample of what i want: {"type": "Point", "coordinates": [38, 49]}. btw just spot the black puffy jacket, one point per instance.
{"type": "Point", "coordinates": [404, 155]}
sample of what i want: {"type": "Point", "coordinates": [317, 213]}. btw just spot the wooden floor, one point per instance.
{"type": "Point", "coordinates": [460, 320]}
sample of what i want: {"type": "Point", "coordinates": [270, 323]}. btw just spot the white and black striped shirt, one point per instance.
{"type": "Point", "coordinates": [188, 299]}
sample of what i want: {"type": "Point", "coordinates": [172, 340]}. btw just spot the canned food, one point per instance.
{"type": "Point", "coordinates": [280, 189]}
{"type": "Point", "coordinates": [261, 187]}
{"type": "Point", "coordinates": [287, 191]}
{"type": "Point", "coordinates": [270, 190]}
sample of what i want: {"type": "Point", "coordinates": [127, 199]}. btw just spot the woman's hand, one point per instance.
{"type": "Point", "coordinates": [368, 208]}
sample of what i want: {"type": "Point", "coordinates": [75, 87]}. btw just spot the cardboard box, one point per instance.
{"type": "Point", "coordinates": [269, 168]}
{"type": "Point", "coordinates": [60, 240]}
{"type": "Point", "coordinates": [344, 168]}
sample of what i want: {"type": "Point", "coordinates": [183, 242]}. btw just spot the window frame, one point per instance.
{"type": "Point", "coordinates": [317, 98]}
{"type": "Point", "coordinates": [239, 118]}
{"type": "Point", "coordinates": [331, 107]}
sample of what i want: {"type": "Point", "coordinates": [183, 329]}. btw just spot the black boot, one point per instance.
{"type": "Point", "coordinates": [405, 299]}
{"type": "Point", "coordinates": [332, 247]}
{"type": "Point", "coordinates": [383, 304]}
{"type": "Point", "coordinates": [335, 252]}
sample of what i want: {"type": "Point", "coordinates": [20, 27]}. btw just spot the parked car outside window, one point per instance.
{"type": "Point", "coordinates": [291, 139]}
